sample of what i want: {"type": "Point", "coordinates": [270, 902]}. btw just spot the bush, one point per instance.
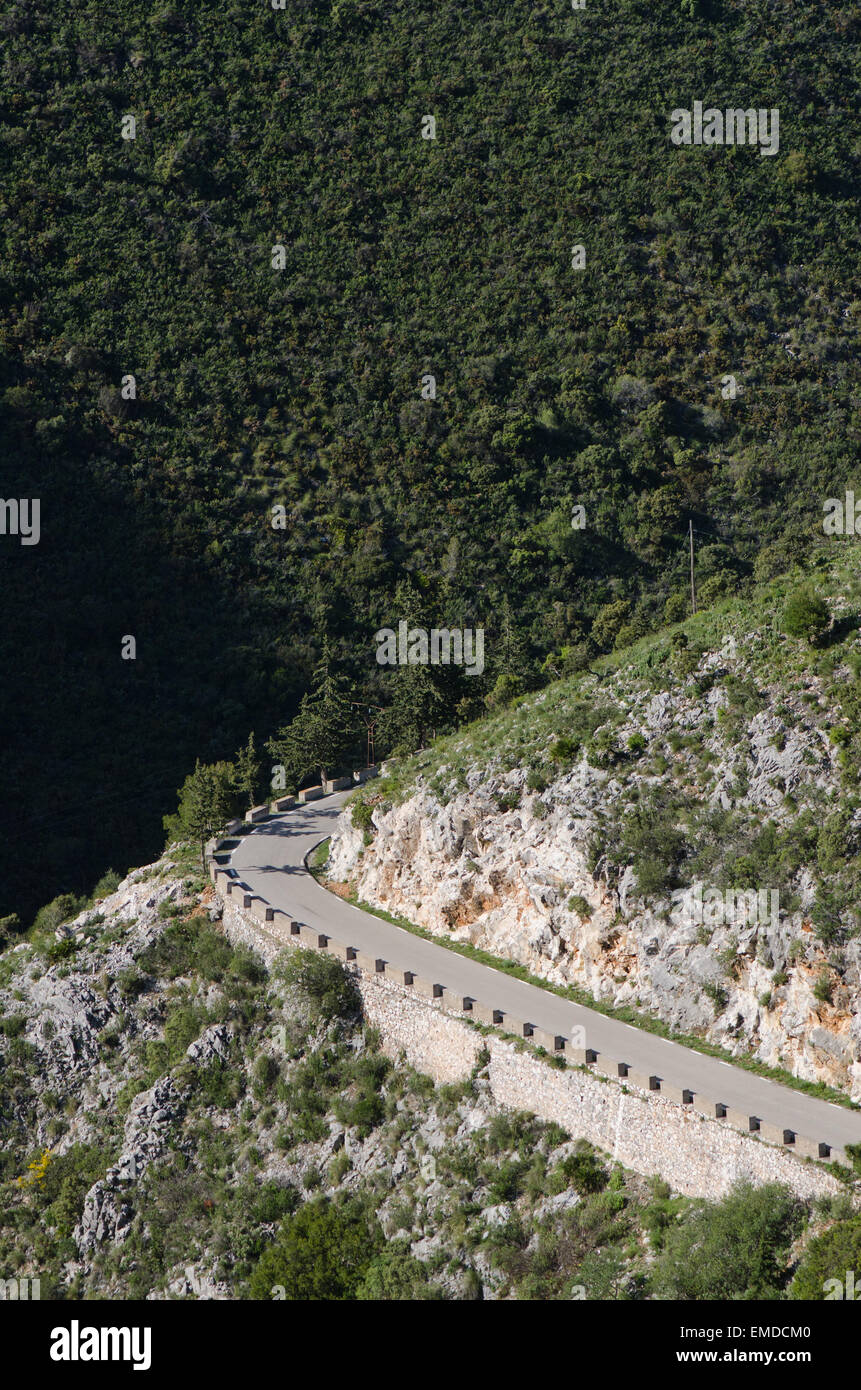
{"type": "Point", "coordinates": [736, 1248]}
{"type": "Point", "coordinates": [806, 615]}
{"type": "Point", "coordinates": [329, 990]}
{"type": "Point", "coordinates": [107, 884]}
{"type": "Point", "coordinates": [564, 751]}
{"type": "Point", "coordinates": [579, 905]}
{"type": "Point", "coordinates": [61, 950]}
{"type": "Point", "coordinates": [830, 1256]}
{"type": "Point", "coordinates": [321, 1253]}
{"type": "Point", "coordinates": [10, 927]}
{"type": "Point", "coordinates": [676, 608]}
{"type": "Point", "coordinates": [55, 913]}
{"type": "Point", "coordinates": [360, 814]}
{"type": "Point", "coordinates": [582, 1171]}
{"type": "Point", "coordinates": [396, 1275]}
{"type": "Point", "coordinates": [608, 621]}
{"type": "Point", "coordinates": [266, 1072]}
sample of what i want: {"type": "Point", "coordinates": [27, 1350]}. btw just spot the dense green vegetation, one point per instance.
{"type": "Point", "coordinates": [301, 387]}
{"type": "Point", "coordinates": [295, 1165]}
{"type": "Point", "coordinates": [660, 819]}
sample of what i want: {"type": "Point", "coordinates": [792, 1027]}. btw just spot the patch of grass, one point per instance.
{"type": "Point", "coordinates": [819, 1089]}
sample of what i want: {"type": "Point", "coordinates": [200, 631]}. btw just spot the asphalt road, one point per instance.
{"type": "Point", "coordinates": [270, 859]}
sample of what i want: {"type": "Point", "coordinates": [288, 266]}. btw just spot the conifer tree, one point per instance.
{"type": "Point", "coordinates": [204, 804]}
{"type": "Point", "coordinates": [319, 737]}
{"type": "Point", "coordinates": [247, 771]}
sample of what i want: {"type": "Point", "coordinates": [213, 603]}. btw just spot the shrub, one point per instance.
{"type": "Point", "coordinates": [806, 615]}
{"type": "Point", "coordinates": [676, 608]}
{"type": "Point", "coordinates": [10, 927]}
{"type": "Point", "coordinates": [578, 904]}
{"type": "Point", "coordinates": [564, 750]}
{"type": "Point", "coordinates": [321, 1253]}
{"type": "Point", "coordinates": [397, 1275]}
{"type": "Point", "coordinates": [329, 990]}
{"type": "Point", "coordinates": [360, 814]}
{"type": "Point", "coordinates": [60, 910]}
{"type": "Point", "coordinates": [830, 1256]}
{"type": "Point", "coordinates": [582, 1171]}
{"type": "Point", "coordinates": [732, 1249]}
{"type": "Point", "coordinates": [266, 1071]}
{"type": "Point", "coordinates": [107, 884]}
{"type": "Point", "coordinates": [717, 995]}
{"type": "Point", "coordinates": [61, 950]}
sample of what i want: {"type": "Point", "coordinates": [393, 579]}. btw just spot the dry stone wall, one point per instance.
{"type": "Point", "coordinates": [642, 1130]}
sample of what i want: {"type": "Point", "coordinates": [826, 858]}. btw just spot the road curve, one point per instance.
{"type": "Point", "coordinates": [270, 859]}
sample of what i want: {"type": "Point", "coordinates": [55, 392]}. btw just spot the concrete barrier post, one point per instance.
{"type": "Point", "coordinates": [811, 1148]}
{"type": "Point", "coordinates": [644, 1080]}
{"type": "Point", "coordinates": [580, 1056]}
{"type": "Point", "coordinates": [399, 975]}
{"type": "Point", "coordinates": [428, 989]}
{"type": "Point", "coordinates": [517, 1026]}
{"type": "Point", "coordinates": [742, 1119]}
{"type": "Point", "coordinates": [679, 1094]}
{"type": "Point", "coordinates": [456, 1001]}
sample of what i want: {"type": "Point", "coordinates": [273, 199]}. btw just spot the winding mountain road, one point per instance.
{"type": "Point", "coordinates": [270, 860]}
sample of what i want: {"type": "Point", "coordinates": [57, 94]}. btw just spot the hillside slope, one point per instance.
{"type": "Point", "coordinates": [577, 832]}
{"type": "Point", "coordinates": [404, 258]}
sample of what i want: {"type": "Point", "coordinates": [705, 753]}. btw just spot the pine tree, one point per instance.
{"type": "Point", "coordinates": [204, 804]}
{"type": "Point", "coordinates": [320, 736]}
{"type": "Point", "coordinates": [511, 666]}
{"type": "Point", "coordinates": [247, 770]}
{"type": "Point", "coordinates": [420, 695]}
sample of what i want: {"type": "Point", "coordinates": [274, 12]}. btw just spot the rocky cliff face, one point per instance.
{"type": "Point", "coordinates": [166, 1100]}
{"type": "Point", "coordinates": [545, 877]}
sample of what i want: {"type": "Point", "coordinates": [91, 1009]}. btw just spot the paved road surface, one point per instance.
{"type": "Point", "coordinates": [270, 860]}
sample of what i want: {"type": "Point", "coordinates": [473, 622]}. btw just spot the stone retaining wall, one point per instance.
{"type": "Point", "coordinates": [642, 1129]}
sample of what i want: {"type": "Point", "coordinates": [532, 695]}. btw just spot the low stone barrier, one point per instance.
{"type": "Point", "coordinates": [241, 904]}
{"type": "Point", "coordinates": [646, 1132]}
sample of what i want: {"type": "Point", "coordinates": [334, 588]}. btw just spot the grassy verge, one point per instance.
{"type": "Point", "coordinates": [818, 1089]}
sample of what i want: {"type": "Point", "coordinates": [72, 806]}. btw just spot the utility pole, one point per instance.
{"type": "Point", "coordinates": [693, 590]}
{"type": "Point", "coordinates": [371, 717]}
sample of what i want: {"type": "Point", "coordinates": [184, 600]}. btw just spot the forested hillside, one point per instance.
{"type": "Point", "coordinates": [301, 387]}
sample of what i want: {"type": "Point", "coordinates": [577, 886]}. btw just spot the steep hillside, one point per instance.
{"type": "Point", "coordinates": [302, 387]}
{"type": "Point", "coordinates": [602, 832]}
{"type": "Point", "coordinates": [179, 1121]}
{"type": "Point", "coordinates": [173, 1117]}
